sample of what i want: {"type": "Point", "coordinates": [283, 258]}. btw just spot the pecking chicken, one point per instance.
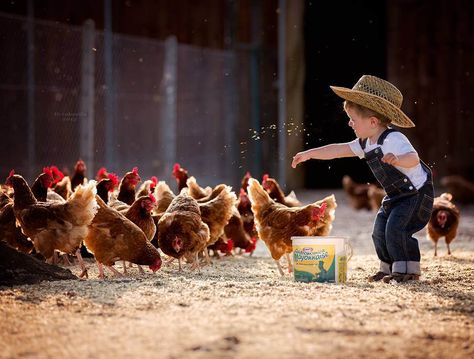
{"type": "Point", "coordinates": [276, 193]}
{"type": "Point", "coordinates": [444, 221]}
{"type": "Point", "coordinates": [54, 226]}
{"type": "Point", "coordinates": [112, 237]}
{"type": "Point", "coordinates": [277, 223]}
{"type": "Point", "coordinates": [181, 176]}
{"type": "Point", "coordinates": [235, 231]}
{"type": "Point", "coordinates": [181, 230]}
{"type": "Point", "coordinates": [461, 188]}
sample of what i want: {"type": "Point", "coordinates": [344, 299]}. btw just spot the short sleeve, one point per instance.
{"type": "Point", "coordinates": [356, 148]}
{"type": "Point", "coordinates": [398, 144]}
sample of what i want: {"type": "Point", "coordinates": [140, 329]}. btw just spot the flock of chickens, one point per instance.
{"type": "Point", "coordinates": [119, 221]}
{"type": "Point", "coordinates": [444, 219]}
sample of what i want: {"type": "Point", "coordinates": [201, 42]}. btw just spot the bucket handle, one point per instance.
{"type": "Point", "coordinates": [349, 250]}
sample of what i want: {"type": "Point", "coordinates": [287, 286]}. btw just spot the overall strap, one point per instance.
{"type": "Point", "coordinates": [363, 142]}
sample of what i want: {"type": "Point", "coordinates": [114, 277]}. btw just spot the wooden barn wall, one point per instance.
{"type": "Point", "coordinates": [431, 60]}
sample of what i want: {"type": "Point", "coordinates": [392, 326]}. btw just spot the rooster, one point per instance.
{"type": "Point", "coordinates": [181, 230]}
{"type": "Point", "coordinates": [444, 221]}
{"type": "Point", "coordinates": [277, 223]}
{"type": "Point", "coordinates": [112, 237]}
{"type": "Point", "coordinates": [54, 226]}
{"type": "Point", "coordinates": [276, 193]}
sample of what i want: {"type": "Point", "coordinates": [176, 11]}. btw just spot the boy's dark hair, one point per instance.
{"type": "Point", "coordinates": [367, 112]}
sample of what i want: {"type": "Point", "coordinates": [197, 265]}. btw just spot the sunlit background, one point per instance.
{"type": "Point", "coordinates": [226, 86]}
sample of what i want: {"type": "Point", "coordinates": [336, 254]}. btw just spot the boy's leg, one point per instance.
{"type": "Point", "coordinates": [380, 244]}
{"type": "Point", "coordinates": [401, 244]}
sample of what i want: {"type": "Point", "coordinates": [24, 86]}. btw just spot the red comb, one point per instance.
{"type": "Point", "coordinates": [101, 173]}
{"type": "Point", "coordinates": [12, 172]}
{"type": "Point", "coordinates": [57, 173]}
{"type": "Point", "coordinates": [47, 170]}
{"type": "Point", "coordinates": [114, 178]}
{"type": "Point", "coordinates": [135, 170]}
{"type": "Point", "coordinates": [230, 245]}
{"type": "Point", "coordinates": [265, 177]}
{"type": "Point", "coordinates": [153, 199]}
{"type": "Point", "coordinates": [154, 180]}
{"type": "Point", "coordinates": [248, 175]}
{"type": "Point", "coordinates": [252, 245]}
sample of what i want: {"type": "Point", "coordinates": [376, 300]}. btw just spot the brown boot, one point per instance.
{"type": "Point", "coordinates": [377, 276]}
{"type": "Point", "coordinates": [400, 277]}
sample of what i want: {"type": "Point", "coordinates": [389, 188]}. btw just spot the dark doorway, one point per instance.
{"type": "Point", "coordinates": [344, 40]}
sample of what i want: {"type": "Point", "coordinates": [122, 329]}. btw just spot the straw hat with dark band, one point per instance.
{"type": "Point", "coordinates": [378, 95]}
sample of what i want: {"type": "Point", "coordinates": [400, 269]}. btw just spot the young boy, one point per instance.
{"type": "Point", "coordinates": [371, 105]}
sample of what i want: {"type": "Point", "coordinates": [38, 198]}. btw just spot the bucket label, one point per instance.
{"type": "Point", "coordinates": [315, 263]}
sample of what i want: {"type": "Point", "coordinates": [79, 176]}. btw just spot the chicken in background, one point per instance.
{"type": "Point", "coordinates": [79, 175]}
{"type": "Point", "coordinates": [181, 176]}
{"type": "Point", "coordinates": [277, 194]}
{"type": "Point", "coordinates": [164, 196]}
{"type": "Point", "coordinates": [181, 230]}
{"type": "Point", "coordinates": [62, 183]}
{"type": "Point", "coordinates": [223, 245]}
{"type": "Point", "coordinates": [101, 174]}
{"type": "Point", "coordinates": [245, 209]}
{"type": "Point", "coordinates": [112, 237]}
{"type": "Point", "coordinates": [106, 186]}
{"type": "Point", "coordinates": [235, 231]}
{"type": "Point", "coordinates": [277, 223]}
{"type": "Point", "coordinates": [217, 211]}
{"type": "Point", "coordinates": [127, 187]}
{"type": "Point", "coordinates": [147, 187]}
{"type": "Point", "coordinates": [375, 195]}
{"type": "Point", "coordinates": [444, 221]}
{"type": "Point", "coordinates": [196, 191]}
{"type": "Point", "coordinates": [459, 187]}
{"type": "Point", "coordinates": [54, 226]}
{"type": "Point", "coordinates": [356, 193]}
{"type": "Point", "coordinates": [244, 183]}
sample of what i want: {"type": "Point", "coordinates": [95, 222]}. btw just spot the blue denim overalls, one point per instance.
{"type": "Point", "coordinates": [404, 211]}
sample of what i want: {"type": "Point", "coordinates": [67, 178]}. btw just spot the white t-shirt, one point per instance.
{"type": "Point", "coordinates": [398, 144]}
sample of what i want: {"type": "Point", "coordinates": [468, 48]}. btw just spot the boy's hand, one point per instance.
{"type": "Point", "coordinates": [298, 158]}
{"type": "Point", "coordinates": [390, 159]}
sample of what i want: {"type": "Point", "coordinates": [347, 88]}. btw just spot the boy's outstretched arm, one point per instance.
{"type": "Point", "coordinates": [328, 152]}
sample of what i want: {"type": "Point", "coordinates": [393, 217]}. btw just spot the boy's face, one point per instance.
{"type": "Point", "coordinates": [363, 126]}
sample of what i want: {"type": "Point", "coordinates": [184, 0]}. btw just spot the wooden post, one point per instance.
{"type": "Point", "coordinates": [109, 99]}
{"type": "Point", "coordinates": [30, 109]}
{"type": "Point", "coordinates": [282, 152]}
{"type": "Point", "coordinates": [86, 115]}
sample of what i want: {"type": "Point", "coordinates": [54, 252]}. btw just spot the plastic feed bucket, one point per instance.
{"type": "Point", "coordinates": [320, 259]}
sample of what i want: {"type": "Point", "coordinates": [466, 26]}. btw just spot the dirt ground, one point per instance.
{"type": "Point", "coordinates": [240, 307]}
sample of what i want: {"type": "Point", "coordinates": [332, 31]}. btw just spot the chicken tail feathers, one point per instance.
{"type": "Point", "coordinates": [256, 192]}
{"type": "Point", "coordinates": [83, 203]}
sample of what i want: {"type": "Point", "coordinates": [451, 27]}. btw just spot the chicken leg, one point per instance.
{"type": "Point", "coordinates": [81, 264]}
{"type": "Point", "coordinates": [290, 264]}
{"type": "Point", "coordinates": [279, 268]}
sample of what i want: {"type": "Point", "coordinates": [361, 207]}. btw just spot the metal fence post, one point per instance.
{"type": "Point", "coordinates": [86, 115]}
{"type": "Point", "coordinates": [169, 115]}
